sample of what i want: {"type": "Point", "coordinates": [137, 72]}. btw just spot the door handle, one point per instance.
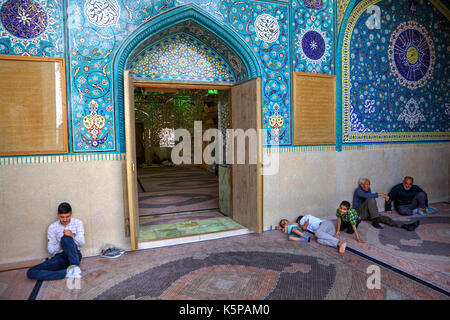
{"type": "Point", "coordinates": [133, 166]}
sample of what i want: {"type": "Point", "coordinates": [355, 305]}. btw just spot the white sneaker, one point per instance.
{"type": "Point", "coordinates": [77, 271]}
{"type": "Point", "coordinates": [73, 271]}
{"type": "Point", "coordinates": [69, 272]}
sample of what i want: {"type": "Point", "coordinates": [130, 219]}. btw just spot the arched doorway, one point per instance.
{"type": "Point", "coordinates": [245, 98]}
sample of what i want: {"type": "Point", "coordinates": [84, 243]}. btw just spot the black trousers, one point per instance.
{"type": "Point", "coordinates": [348, 226]}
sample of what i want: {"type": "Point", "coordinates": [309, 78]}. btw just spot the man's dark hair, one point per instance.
{"type": "Point", "coordinates": [298, 219]}
{"type": "Point", "coordinates": [64, 207]}
{"type": "Point", "coordinates": [345, 204]}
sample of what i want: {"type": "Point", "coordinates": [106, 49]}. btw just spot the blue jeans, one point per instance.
{"type": "Point", "coordinates": [304, 238]}
{"type": "Point", "coordinates": [419, 201]}
{"type": "Point", "coordinates": [55, 267]}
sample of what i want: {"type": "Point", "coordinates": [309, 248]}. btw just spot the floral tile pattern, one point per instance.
{"type": "Point", "coordinates": [314, 32]}
{"type": "Point", "coordinates": [32, 28]}
{"type": "Point", "coordinates": [181, 58]}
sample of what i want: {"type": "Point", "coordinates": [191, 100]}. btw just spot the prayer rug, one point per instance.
{"type": "Point", "coordinates": [170, 201]}
{"type": "Point", "coordinates": [187, 225]}
{"type": "Point", "coordinates": [178, 217]}
{"type": "Point", "coordinates": [176, 171]}
{"type": "Point", "coordinates": [166, 184]}
{"type": "Point", "coordinates": [254, 266]}
{"type": "Point", "coordinates": [175, 178]}
{"type": "Point", "coordinates": [423, 253]}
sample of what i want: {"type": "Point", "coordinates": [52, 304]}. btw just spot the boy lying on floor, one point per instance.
{"type": "Point", "coordinates": [324, 230]}
{"type": "Point", "coordinates": [293, 230]}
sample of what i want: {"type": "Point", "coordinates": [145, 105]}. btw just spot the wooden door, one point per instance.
{"type": "Point", "coordinates": [130, 144]}
{"type": "Point", "coordinates": [246, 179]}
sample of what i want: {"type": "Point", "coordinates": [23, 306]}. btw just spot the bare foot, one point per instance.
{"type": "Point", "coordinates": [342, 247]}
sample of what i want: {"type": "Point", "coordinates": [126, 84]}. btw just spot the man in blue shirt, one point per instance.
{"type": "Point", "coordinates": [366, 206]}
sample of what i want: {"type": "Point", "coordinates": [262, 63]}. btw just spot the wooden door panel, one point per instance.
{"type": "Point", "coordinates": [131, 170]}
{"type": "Point", "coordinates": [246, 178]}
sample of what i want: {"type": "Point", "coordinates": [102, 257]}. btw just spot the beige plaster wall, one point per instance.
{"type": "Point", "coordinates": [308, 182]}
{"type": "Point", "coordinates": [30, 194]}
{"type": "Point", "coordinates": [316, 182]}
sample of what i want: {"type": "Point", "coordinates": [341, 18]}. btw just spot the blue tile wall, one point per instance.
{"type": "Point", "coordinates": [265, 27]}
{"type": "Point", "coordinates": [389, 97]}
{"type": "Point", "coordinates": [95, 37]}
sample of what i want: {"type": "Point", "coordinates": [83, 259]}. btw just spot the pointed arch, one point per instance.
{"type": "Point", "coordinates": [163, 22]}
{"type": "Point", "coordinates": [353, 12]}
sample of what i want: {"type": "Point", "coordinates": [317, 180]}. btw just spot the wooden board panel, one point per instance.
{"type": "Point", "coordinates": [246, 178]}
{"type": "Point", "coordinates": [33, 108]}
{"type": "Point", "coordinates": [314, 109]}
{"type": "Point", "coordinates": [158, 86]}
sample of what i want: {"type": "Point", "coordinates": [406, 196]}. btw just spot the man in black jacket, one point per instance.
{"type": "Point", "coordinates": [408, 198]}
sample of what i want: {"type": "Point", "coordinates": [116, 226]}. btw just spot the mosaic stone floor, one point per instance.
{"type": "Point", "coordinates": [156, 179]}
{"type": "Point", "coordinates": [171, 201]}
{"type": "Point", "coordinates": [423, 253]}
{"type": "Point", "coordinates": [184, 224]}
{"type": "Point", "coordinates": [263, 266]}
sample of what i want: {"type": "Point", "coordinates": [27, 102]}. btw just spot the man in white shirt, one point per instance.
{"type": "Point", "coordinates": [65, 238]}
{"type": "Point", "coordinates": [324, 230]}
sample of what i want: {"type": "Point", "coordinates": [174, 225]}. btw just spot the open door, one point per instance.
{"type": "Point", "coordinates": [246, 179]}
{"type": "Point", "coordinates": [132, 191]}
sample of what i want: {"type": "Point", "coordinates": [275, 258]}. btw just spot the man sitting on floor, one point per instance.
{"type": "Point", "coordinates": [65, 237]}
{"type": "Point", "coordinates": [408, 198]}
{"type": "Point", "coordinates": [366, 206]}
